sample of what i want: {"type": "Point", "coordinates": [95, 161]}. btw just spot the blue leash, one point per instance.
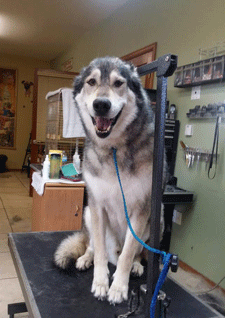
{"type": "Point", "coordinates": [165, 257]}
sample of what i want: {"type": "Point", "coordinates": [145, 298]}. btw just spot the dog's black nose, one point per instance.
{"type": "Point", "coordinates": [101, 106]}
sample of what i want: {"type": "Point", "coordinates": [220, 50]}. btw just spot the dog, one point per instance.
{"type": "Point", "coordinates": [116, 114]}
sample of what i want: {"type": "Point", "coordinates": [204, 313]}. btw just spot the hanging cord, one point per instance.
{"type": "Point", "coordinates": [166, 258]}
{"type": "Point", "coordinates": [215, 144]}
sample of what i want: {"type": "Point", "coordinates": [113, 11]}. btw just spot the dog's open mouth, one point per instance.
{"type": "Point", "coordinates": [103, 125]}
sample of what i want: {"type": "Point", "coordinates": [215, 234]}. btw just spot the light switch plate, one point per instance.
{"type": "Point", "coordinates": [188, 130]}
{"type": "Point", "coordinates": [195, 93]}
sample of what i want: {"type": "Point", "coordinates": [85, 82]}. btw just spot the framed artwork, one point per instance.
{"type": "Point", "coordinates": [8, 95]}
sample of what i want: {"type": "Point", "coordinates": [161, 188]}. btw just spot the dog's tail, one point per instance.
{"type": "Point", "coordinates": [70, 248]}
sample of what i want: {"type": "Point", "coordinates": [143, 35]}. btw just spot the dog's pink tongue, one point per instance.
{"type": "Point", "coordinates": [102, 123]}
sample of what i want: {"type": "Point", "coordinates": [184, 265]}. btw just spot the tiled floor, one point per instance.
{"type": "Point", "coordinates": [15, 216]}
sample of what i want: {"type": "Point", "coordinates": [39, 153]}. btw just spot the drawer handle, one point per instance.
{"type": "Point", "coordinates": [76, 210]}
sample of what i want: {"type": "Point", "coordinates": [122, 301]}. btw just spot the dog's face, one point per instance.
{"type": "Point", "coordinates": [105, 93]}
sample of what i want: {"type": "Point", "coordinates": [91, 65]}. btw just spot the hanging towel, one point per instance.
{"type": "Point", "coordinates": [52, 93]}
{"type": "Point", "coordinates": [72, 126]}
{"type": "Point", "coordinates": [38, 183]}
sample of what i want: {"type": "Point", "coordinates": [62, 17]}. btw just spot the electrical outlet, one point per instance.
{"type": "Point", "coordinates": [195, 93]}
{"type": "Point", "coordinates": [177, 217]}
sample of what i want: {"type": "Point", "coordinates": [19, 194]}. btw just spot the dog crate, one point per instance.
{"type": "Point", "coordinates": [54, 129]}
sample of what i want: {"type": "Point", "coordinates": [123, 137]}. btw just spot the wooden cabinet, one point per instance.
{"type": "Point", "coordinates": [59, 208]}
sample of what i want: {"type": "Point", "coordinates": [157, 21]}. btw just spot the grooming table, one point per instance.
{"type": "Point", "coordinates": [51, 293]}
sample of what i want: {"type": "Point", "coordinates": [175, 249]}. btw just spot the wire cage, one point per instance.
{"type": "Point", "coordinates": [54, 130]}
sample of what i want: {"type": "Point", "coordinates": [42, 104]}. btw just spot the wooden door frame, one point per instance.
{"type": "Point", "coordinates": [147, 49]}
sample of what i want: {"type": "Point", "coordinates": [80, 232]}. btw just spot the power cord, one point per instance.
{"type": "Point", "coordinates": [208, 291]}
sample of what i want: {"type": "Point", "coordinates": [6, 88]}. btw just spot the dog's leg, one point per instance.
{"type": "Point", "coordinates": [100, 285]}
{"type": "Point", "coordinates": [86, 260]}
{"type": "Point", "coordinates": [119, 288]}
{"type": "Point", "coordinates": [137, 269]}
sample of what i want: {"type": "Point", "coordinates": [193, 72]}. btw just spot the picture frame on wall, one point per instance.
{"type": "Point", "coordinates": [8, 99]}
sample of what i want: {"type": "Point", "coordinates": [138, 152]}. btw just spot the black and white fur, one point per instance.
{"type": "Point", "coordinates": [116, 113]}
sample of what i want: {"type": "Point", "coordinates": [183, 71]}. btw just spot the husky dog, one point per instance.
{"type": "Point", "coordinates": [116, 113]}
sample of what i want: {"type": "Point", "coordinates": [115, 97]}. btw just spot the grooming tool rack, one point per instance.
{"type": "Point", "coordinates": [192, 155]}
{"type": "Point", "coordinates": [164, 67]}
{"type": "Point", "coordinates": [211, 111]}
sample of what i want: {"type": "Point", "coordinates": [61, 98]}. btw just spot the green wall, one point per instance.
{"type": "Point", "coordinates": [179, 27]}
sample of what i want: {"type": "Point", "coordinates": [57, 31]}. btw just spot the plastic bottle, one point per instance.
{"type": "Point", "coordinates": [64, 158]}
{"type": "Point", "coordinates": [46, 168]}
{"type": "Point", "coordinates": [55, 165]}
{"type": "Point", "coordinates": [76, 159]}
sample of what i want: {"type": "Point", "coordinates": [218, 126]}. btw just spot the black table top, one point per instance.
{"type": "Point", "coordinates": [51, 293]}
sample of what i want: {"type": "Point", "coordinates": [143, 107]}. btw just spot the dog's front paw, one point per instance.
{"type": "Point", "coordinates": [100, 288]}
{"type": "Point", "coordinates": [100, 285]}
{"type": "Point", "coordinates": [84, 262]}
{"type": "Point", "coordinates": [137, 269]}
{"type": "Point", "coordinates": [117, 293]}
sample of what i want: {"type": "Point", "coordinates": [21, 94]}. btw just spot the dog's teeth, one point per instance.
{"type": "Point", "coordinates": [103, 131]}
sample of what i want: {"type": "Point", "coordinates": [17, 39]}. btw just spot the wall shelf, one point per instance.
{"type": "Point", "coordinates": [200, 73]}
{"type": "Point", "coordinates": [205, 117]}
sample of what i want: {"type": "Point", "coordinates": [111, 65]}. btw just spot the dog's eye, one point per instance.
{"type": "Point", "coordinates": [92, 82]}
{"type": "Point", "coordinates": [118, 83]}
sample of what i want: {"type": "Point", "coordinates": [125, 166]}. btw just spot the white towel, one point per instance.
{"type": "Point", "coordinates": [38, 183]}
{"type": "Point", "coordinates": [72, 126]}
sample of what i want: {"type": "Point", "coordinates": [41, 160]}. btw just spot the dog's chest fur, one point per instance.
{"type": "Point", "coordinates": [103, 185]}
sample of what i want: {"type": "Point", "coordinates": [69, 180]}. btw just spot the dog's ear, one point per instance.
{"type": "Point", "coordinates": [132, 67]}
{"type": "Point", "coordinates": [134, 82]}
{"type": "Point", "coordinates": [136, 85]}
{"type": "Point", "coordinates": [129, 71]}
{"type": "Point", "coordinates": [77, 86]}
{"type": "Point", "coordinates": [80, 79]}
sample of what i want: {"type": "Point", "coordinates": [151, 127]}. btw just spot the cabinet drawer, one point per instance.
{"type": "Point", "coordinates": [59, 209]}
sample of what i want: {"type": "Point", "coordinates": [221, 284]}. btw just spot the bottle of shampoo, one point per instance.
{"type": "Point", "coordinates": [46, 168]}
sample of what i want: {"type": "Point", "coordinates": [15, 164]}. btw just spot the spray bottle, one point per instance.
{"type": "Point", "coordinates": [76, 158]}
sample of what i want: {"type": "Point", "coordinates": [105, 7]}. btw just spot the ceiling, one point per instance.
{"type": "Point", "coordinates": [44, 29]}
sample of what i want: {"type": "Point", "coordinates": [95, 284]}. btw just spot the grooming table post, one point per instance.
{"type": "Point", "coordinates": [164, 67]}
{"type": "Point", "coordinates": [158, 159]}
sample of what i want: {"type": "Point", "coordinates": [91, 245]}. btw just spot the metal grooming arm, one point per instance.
{"type": "Point", "coordinates": [164, 67]}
